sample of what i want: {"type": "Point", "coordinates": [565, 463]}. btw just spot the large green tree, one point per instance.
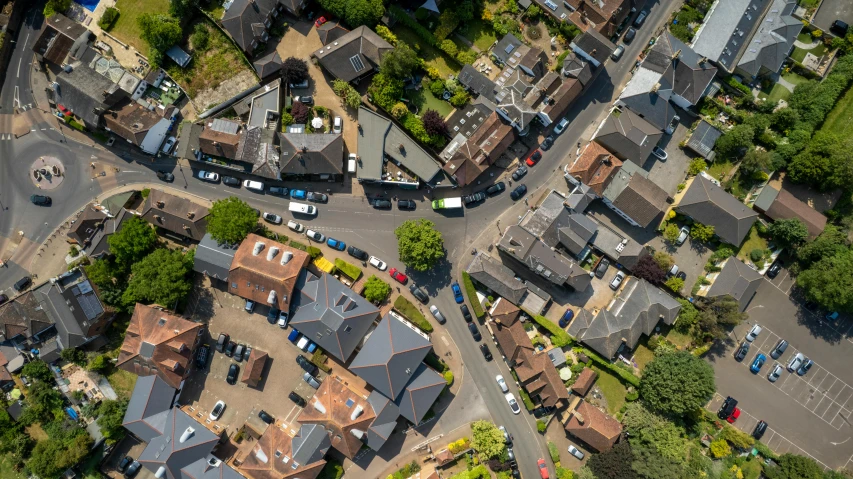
{"type": "Point", "coordinates": [613, 464]}
{"type": "Point", "coordinates": [37, 369]}
{"type": "Point", "coordinates": [421, 246]}
{"type": "Point", "coordinates": [790, 466]}
{"type": "Point", "coordinates": [789, 232]}
{"type": "Point", "coordinates": [130, 244]}
{"type": "Point", "coordinates": [829, 282]}
{"type": "Point", "coordinates": [648, 464]}
{"type": "Point", "coordinates": [399, 62]}
{"type": "Point", "coordinates": [181, 8]}
{"type": "Point", "coordinates": [736, 141]}
{"type": "Point", "coordinates": [56, 6]}
{"type": "Point", "coordinates": [51, 457]}
{"type": "Point", "coordinates": [162, 277]}
{"type": "Point", "coordinates": [829, 243]}
{"type": "Point", "coordinates": [356, 13]}
{"type": "Point", "coordinates": [488, 439]}
{"type": "Point", "coordinates": [161, 32]}
{"type": "Point", "coordinates": [677, 383]}
{"type": "Point", "coordinates": [110, 418]}
{"type": "Point", "coordinates": [385, 90]}
{"type": "Point", "coordinates": [717, 314]}
{"type": "Point", "coordinates": [375, 289]}
{"type": "Point", "coordinates": [648, 429]}
{"type": "Point", "coordinates": [230, 220]}
{"type": "Point", "coordinates": [755, 161]}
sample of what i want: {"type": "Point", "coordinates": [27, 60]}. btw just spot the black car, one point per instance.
{"type": "Point", "coordinates": [133, 469]}
{"type": "Point", "coordinates": [201, 356]}
{"type": "Point", "coordinates": [306, 365]}
{"type": "Point", "coordinates": [543, 411]}
{"type": "Point", "coordinates": [41, 200]}
{"type": "Point", "coordinates": [122, 466]}
{"type": "Point", "coordinates": [272, 315]}
{"type": "Point", "coordinates": [602, 268]}
{"type": "Point", "coordinates": [839, 28]}
{"type": "Point", "coordinates": [759, 430]}
{"type": "Point", "coordinates": [419, 294]}
{"type": "Point", "coordinates": [296, 399]}
{"type": "Point", "coordinates": [774, 269]}
{"type": "Point", "coordinates": [233, 371]}
{"type": "Point", "coordinates": [547, 143]}
{"type": "Point", "coordinates": [221, 342]}
{"type": "Point", "coordinates": [23, 283]}
{"type": "Point", "coordinates": [742, 350]}
{"type": "Point", "coordinates": [3, 299]}
{"type": "Point", "coordinates": [384, 204]}
{"type": "Point", "coordinates": [165, 176]}
{"type": "Point", "coordinates": [465, 313]}
{"type": "Point", "coordinates": [487, 355]}
{"type": "Point", "coordinates": [265, 417]}
{"type": "Point", "coordinates": [681, 275]}
{"type": "Point", "coordinates": [496, 188]}
{"type": "Point", "coordinates": [519, 173]}
{"type": "Point", "coordinates": [727, 408]}
{"type": "Point", "coordinates": [406, 204]}
{"type": "Point", "coordinates": [305, 100]}
{"type": "Point", "coordinates": [474, 197]}
{"type": "Point", "coordinates": [641, 18]}
{"type": "Point", "coordinates": [317, 197]}
{"type": "Point", "coordinates": [629, 35]}
{"type": "Point", "coordinates": [474, 331]}
{"type": "Point", "coordinates": [357, 253]}
{"type": "Point", "coordinates": [231, 181]}
{"type": "Point", "coordinates": [229, 349]}
{"type": "Point", "coordinates": [518, 192]}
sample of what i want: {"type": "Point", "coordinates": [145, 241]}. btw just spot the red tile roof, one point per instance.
{"type": "Point", "coordinates": [584, 381]}
{"type": "Point", "coordinates": [596, 429]}
{"type": "Point", "coordinates": [596, 167]}
{"type": "Point", "coordinates": [255, 367]}
{"type": "Point", "coordinates": [257, 276]}
{"type": "Point", "coordinates": [337, 406]}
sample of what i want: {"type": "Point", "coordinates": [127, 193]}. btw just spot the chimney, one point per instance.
{"type": "Point", "coordinates": [358, 433]}
{"type": "Point", "coordinates": [579, 417]}
{"type": "Point", "coordinates": [191, 214]}
{"type": "Point", "coordinates": [676, 54]}
{"type": "Point", "coordinates": [271, 297]}
{"type": "Point", "coordinates": [161, 472]}
{"type": "Point", "coordinates": [355, 414]}
{"type": "Point", "coordinates": [319, 407]}
{"type": "Point", "coordinates": [656, 87]}
{"type": "Point", "coordinates": [158, 217]}
{"type": "Point", "coordinates": [606, 160]}
{"type": "Point", "coordinates": [161, 204]}
{"type": "Point", "coordinates": [259, 246]}
{"type": "Point", "coordinates": [594, 51]}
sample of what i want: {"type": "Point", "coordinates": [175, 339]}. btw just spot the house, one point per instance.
{"type": "Point", "coordinates": [175, 214]}
{"type": "Point", "coordinates": [522, 246]}
{"type": "Point", "coordinates": [257, 148]}
{"type": "Point", "coordinates": [509, 331]}
{"type": "Point", "coordinates": [24, 321]}
{"type": "Point", "coordinates": [268, 65]}
{"type": "Point", "coordinates": [622, 250]}
{"type": "Point", "coordinates": [634, 197]}
{"type": "Point", "coordinates": [213, 259]}
{"type": "Point", "coordinates": [85, 93]}
{"type": "Point", "coordinates": [253, 373]}
{"type": "Point", "coordinates": [330, 314]}
{"type": "Point", "coordinates": [90, 221]}
{"type": "Point", "coordinates": [635, 311]}
{"type": "Point", "coordinates": [57, 37]}
{"type": "Point", "coordinates": [159, 343]}
{"type": "Point", "coordinates": [265, 107]}
{"type": "Point", "coordinates": [342, 412]}
{"type": "Point", "coordinates": [734, 279]}
{"type": "Point", "coordinates": [514, 98]}
{"type": "Point", "coordinates": [149, 406]}
{"type": "Point", "coordinates": [476, 83]}
{"type": "Point", "coordinates": [188, 141]}
{"type": "Point", "coordinates": [294, 7]}
{"type": "Point", "coordinates": [386, 415]}
{"type": "Point", "coordinates": [596, 429]}
{"type": "Point", "coordinates": [583, 383]}
{"type": "Point", "coordinates": [557, 97]}
{"type": "Point", "coordinates": [331, 31]}
{"type": "Point", "coordinates": [512, 52]}
{"type": "Point", "coordinates": [555, 224]}
{"type": "Point", "coordinates": [627, 135]}
{"type": "Point", "coordinates": [138, 125]}
{"type": "Point", "coordinates": [99, 246]}
{"type": "Point", "coordinates": [497, 278]}
{"type": "Point", "coordinates": [312, 156]}
{"type": "Point", "coordinates": [481, 137]}
{"type": "Point", "coordinates": [220, 137]}
{"type": "Point", "coordinates": [751, 38]}
{"type": "Point", "coordinates": [353, 55]}
{"type": "Point", "coordinates": [575, 66]}
{"type": "Point", "coordinates": [604, 16]}
{"type": "Point", "coordinates": [277, 455]}
{"type": "Point", "coordinates": [266, 271]}
{"type": "Point", "coordinates": [248, 22]}
{"type": "Point", "coordinates": [651, 106]}
{"type": "Point", "coordinates": [703, 139]}
{"type": "Point", "coordinates": [595, 167]}
{"type": "Point", "coordinates": [420, 393]}
{"type": "Point", "coordinates": [710, 205]}
{"type": "Point", "coordinates": [593, 47]}
{"type": "Point", "coordinates": [782, 205]}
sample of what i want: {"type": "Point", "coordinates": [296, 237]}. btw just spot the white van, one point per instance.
{"type": "Point", "coordinates": [296, 207]}
{"type": "Point", "coordinates": [351, 163]}
{"type": "Point", "coordinates": [253, 185]}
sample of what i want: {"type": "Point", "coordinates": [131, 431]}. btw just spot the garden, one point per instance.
{"type": "Point", "coordinates": [687, 20]}
{"type": "Point", "coordinates": [126, 27]}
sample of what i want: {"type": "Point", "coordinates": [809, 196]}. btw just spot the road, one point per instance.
{"type": "Point", "coordinates": [347, 216]}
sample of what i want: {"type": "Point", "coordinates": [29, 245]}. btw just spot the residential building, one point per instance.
{"type": "Point", "coordinates": [734, 279]}
{"type": "Point", "coordinates": [522, 246]}
{"type": "Point", "coordinates": [24, 321]}
{"type": "Point", "coordinates": [72, 303]}
{"type": "Point", "coordinates": [99, 246]}
{"type": "Point", "coordinates": [420, 393]}
{"type": "Point", "coordinates": [594, 428]}
{"type": "Point", "coordinates": [628, 136]}
{"type": "Point", "coordinates": [476, 83]}
{"type": "Point", "coordinates": [604, 16]}
{"type": "Point", "coordinates": [584, 381]}
{"type": "Point", "coordinates": [266, 271]}
{"type": "Point", "coordinates": [515, 98]}
{"type": "Point", "coordinates": [312, 156]}
{"type": "Point", "coordinates": [557, 96]}
{"type": "Point", "coordinates": [159, 343]}
{"type": "Point", "coordinates": [575, 66]}
{"type": "Point", "coordinates": [710, 205]}
{"type": "Point", "coordinates": [57, 37]}
{"type": "Point", "coordinates": [257, 148]}
{"type": "Point", "coordinates": [703, 139]}
{"type": "Point", "coordinates": [149, 406]}
{"type": "Point", "coordinates": [555, 224]}
{"type": "Point", "coordinates": [779, 204]}
{"type": "Point", "coordinates": [387, 413]}
{"type": "Point", "coordinates": [512, 52]}
{"type": "Point", "coordinates": [635, 311]}
{"type": "Point", "coordinates": [220, 138]}
{"type": "Point", "coordinates": [595, 167]}
{"type": "Point", "coordinates": [268, 65]}
{"type": "Point", "coordinates": [213, 259]}
{"type": "Point", "coordinates": [188, 142]}
{"type": "Point", "coordinates": [294, 7]}
{"type": "Point", "coordinates": [353, 55]}
{"type": "Point", "coordinates": [85, 93]}
{"type": "Point", "coordinates": [751, 38]}
{"type": "Point", "coordinates": [634, 197]}
{"type": "Point", "coordinates": [593, 47]}
{"type": "Point", "coordinates": [481, 137]}
{"type": "Point", "coordinates": [248, 22]}
{"type": "Point", "coordinates": [265, 108]}
{"type": "Point", "coordinates": [330, 314]}
{"type": "Point", "coordinates": [277, 455]}
{"type": "Point", "coordinates": [90, 221]}
{"type": "Point", "coordinates": [253, 373]}
{"type": "Point", "coordinates": [331, 31]}
{"type": "Point", "coordinates": [175, 214]}
{"type": "Point", "coordinates": [138, 125]}
{"type": "Point", "coordinates": [343, 413]}
{"type": "Point", "coordinates": [622, 250]}
{"type": "Point", "coordinates": [491, 274]}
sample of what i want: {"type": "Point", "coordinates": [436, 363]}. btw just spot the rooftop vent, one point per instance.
{"type": "Point", "coordinates": [286, 257]}
{"type": "Point", "coordinates": [356, 413]}
{"type": "Point", "coordinates": [319, 407]}
{"type": "Point", "coordinates": [357, 433]}
{"type": "Point", "coordinates": [161, 472]}
{"type": "Point", "coordinates": [271, 253]}
{"type": "Point", "coordinates": [259, 246]}
{"type": "Point", "coordinates": [191, 215]}
{"type": "Point", "coordinates": [271, 297]}
{"type": "Point", "coordinates": [161, 204]}
{"type": "Point", "coordinates": [259, 453]}
{"type": "Point", "coordinates": [188, 433]}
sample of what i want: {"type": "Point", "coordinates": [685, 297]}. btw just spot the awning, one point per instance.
{"type": "Point", "coordinates": [324, 265]}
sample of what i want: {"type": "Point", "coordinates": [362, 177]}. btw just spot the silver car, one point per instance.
{"type": "Point", "coordinates": [614, 285]}
{"type": "Point", "coordinates": [311, 380]}
{"type": "Point", "coordinates": [774, 373]}
{"type": "Point", "coordinates": [682, 236]}
{"type": "Point", "coordinates": [575, 452]}
{"type": "Point", "coordinates": [437, 314]}
{"type": "Point", "coordinates": [796, 362]}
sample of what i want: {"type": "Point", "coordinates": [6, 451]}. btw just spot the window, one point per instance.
{"type": "Point", "coordinates": [277, 454]}
{"type": "Point", "coordinates": [234, 285]}
{"type": "Point", "coordinates": [248, 284]}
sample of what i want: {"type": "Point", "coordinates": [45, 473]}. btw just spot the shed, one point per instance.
{"type": "Point", "coordinates": [255, 368]}
{"type": "Point", "coordinates": [584, 382]}
{"type": "Point", "coordinates": [179, 56]}
{"type": "Point", "coordinates": [703, 139]}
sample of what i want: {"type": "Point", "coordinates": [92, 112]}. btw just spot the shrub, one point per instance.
{"type": "Point", "coordinates": [554, 452]}
{"type": "Point", "coordinates": [730, 81]}
{"type": "Point", "coordinates": [376, 290]}
{"type": "Point", "coordinates": [386, 34]}
{"type": "Point", "coordinates": [525, 398]}
{"type": "Point", "coordinates": [448, 377]}
{"type": "Point", "coordinates": [108, 19]}
{"type": "Point", "coordinates": [410, 312]}
{"type": "Point", "coordinates": [541, 426]}
{"type": "Point", "coordinates": [435, 362]}
{"type": "Point", "coordinates": [319, 360]}
{"type": "Point", "coordinates": [737, 438]}
{"type": "Point", "coordinates": [313, 252]}
{"type": "Point", "coordinates": [467, 57]}
{"type": "Point", "coordinates": [456, 447]}
{"type": "Point", "coordinates": [756, 254]}
{"type": "Point", "coordinates": [696, 166]}
{"type": "Point", "coordinates": [460, 98]}
{"type": "Point", "coordinates": [448, 47]}
{"type": "Point", "coordinates": [559, 337]}
{"type": "Point", "coordinates": [436, 87]}
{"type": "Point", "coordinates": [720, 448]}
{"type": "Point", "coordinates": [472, 295]}
{"type": "Point", "coordinates": [624, 374]}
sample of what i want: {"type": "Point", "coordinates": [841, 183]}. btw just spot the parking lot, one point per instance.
{"type": "Point", "coordinates": [669, 173]}
{"type": "Point", "coordinates": [832, 10]}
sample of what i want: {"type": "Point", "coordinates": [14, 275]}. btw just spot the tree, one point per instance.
{"type": "Point", "coordinates": [784, 119]}
{"type": "Point", "coordinates": [434, 123]}
{"type": "Point", "coordinates": [677, 383]}
{"type": "Point", "coordinates": [162, 277]}
{"type": "Point", "coordinates": [421, 246]}
{"type": "Point", "coordinates": [789, 466]}
{"type": "Point", "coordinates": [613, 464]}
{"type": "Point", "coordinates": [736, 141]}
{"type": "Point", "coordinates": [675, 284]}
{"type": "Point", "coordinates": [386, 34]}
{"type": "Point", "coordinates": [130, 244]}
{"type": "Point", "coordinates": [829, 243]}
{"type": "Point", "coordinates": [460, 98]}
{"type": "Point", "coordinates": [200, 39]}
{"type": "Point", "coordinates": [73, 355]}
{"type": "Point", "coordinates": [56, 6]}
{"type": "Point", "coordinates": [400, 62]}
{"type": "Point", "coordinates": [671, 232]}
{"type": "Point", "coordinates": [697, 166]}
{"type": "Point", "coordinates": [52, 456]}
{"type": "Point", "coordinates": [294, 70]}
{"type": "Point", "coordinates": [37, 369]}
{"type": "Point", "coordinates": [663, 260]}
{"type": "Point", "coordinates": [385, 90]}
{"type": "Point", "coordinates": [648, 429]}
{"type": "Point", "coordinates": [349, 95]}
{"type": "Point", "coordinates": [161, 32]}
{"type": "Point", "coordinates": [648, 269]}
{"type": "Point", "coordinates": [755, 161]}
{"type": "Point", "coordinates": [181, 8]}
{"type": "Point", "coordinates": [110, 418]}
{"type": "Point", "coordinates": [230, 220]}
{"type": "Point", "coordinates": [399, 110]}
{"type": "Point", "coordinates": [702, 233]}
{"type": "Point", "coordinates": [688, 316]}
{"type": "Point", "coordinates": [720, 449]}
{"type": "Point", "coordinates": [584, 472]}
{"type": "Point", "coordinates": [815, 164]}
{"type": "Point", "coordinates": [488, 439]}
{"type": "Point", "coordinates": [789, 232]}
{"type": "Point", "coordinates": [717, 314]}
{"type": "Point", "coordinates": [375, 289]}
{"type": "Point", "coordinates": [650, 465]}
{"type": "Point", "coordinates": [102, 272]}
{"type": "Point", "coordinates": [737, 438]}
{"type": "Point", "coordinates": [299, 111]}
{"type": "Point", "coordinates": [829, 282]}
{"type": "Point", "coordinates": [99, 363]}
{"type": "Point", "coordinates": [362, 12]}
{"type": "Point", "coordinates": [42, 402]}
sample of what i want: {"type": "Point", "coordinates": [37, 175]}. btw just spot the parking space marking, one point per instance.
{"type": "Point", "coordinates": [835, 390]}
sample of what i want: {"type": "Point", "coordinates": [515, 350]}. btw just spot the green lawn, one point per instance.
{"type": "Point", "coordinates": [612, 390]}
{"type": "Point", "coordinates": [126, 29]}
{"type": "Point", "coordinates": [424, 99]}
{"type": "Point", "coordinates": [431, 55]}
{"type": "Point", "coordinates": [642, 355]}
{"type": "Point", "coordinates": [799, 54]}
{"type": "Point", "coordinates": [6, 470]}
{"type": "Point", "coordinates": [794, 78]}
{"type": "Point", "coordinates": [753, 241]}
{"type": "Point", "coordinates": [840, 119]}
{"type": "Point", "coordinates": [122, 382]}
{"type": "Point", "coordinates": [480, 33]}
{"type": "Point", "coordinates": [720, 167]}
{"type": "Point", "coordinates": [776, 93]}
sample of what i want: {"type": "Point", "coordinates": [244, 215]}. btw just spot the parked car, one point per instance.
{"type": "Point", "coordinates": [133, 469]}
{"type": "Point", "coordinates": [742, 350]}
{"type": "Point", "coordinates": [419, 293]}
{"type": "Point", "coordinates": [272, 218]}
{"type": "Point", "coordinates": [507, 436]}
{"type": "Point", "coordinates": [231, 181]}
{"type": "Point", "coordinates": [229, 348]}
{"type": "Point", "coordinates": [543, 411]}
{"type": "Point", "coordinates": [337, 124]}
{"type": "Point", "coordinates": [757, 363]}
{"type": "Point", "coordinates": [357, 253]}
{"type": "Point", "coordinates": [547, 143]}
{"type": "Point", "coordinates": [303, 83]}
{"type": "Point", "coordinates": [3, 299]}
{"type": "Point", "coordinates": [457, 292]}
{"type": "Point", "coordinates": [773, 270]}
{"type": "Point", "coordinates": [796, 362]}
{"type": "Point", "coordinates": [759, 430]}
{"type": "Point", "coordinates": [233, 371]}
{"type": "Point", "coordinates": [253, 185]}
{"type": "Point", "coordinates": [22, 284]}
{"type": "Point", "coordinates": [305, 364]}
{"type": "Point", "coordinates": [272, 315]}
{"type": "Point", "coordinates": [265, 417]}
{"type": "Point", "coordinates": [534, 158]}
{"type": "Point", "coordinates": [513, 404]}
{"type": "Point", "coordinates": [221, 342]}
{"type": "Point", "coordinates": [377, 263]}
{"type": "Point", "coordinates": [774, 373]}
{"type": "Point", "coordinates": [496, 188]}
{"type": "Point", "coordinates": [518, 192]}
{"type": "Point", "coordinates": [660, 153]}
{"type": "Point", "coordinates": [727, 408]}
{"type": "Point", "coordinates": [839, 28]}
{"type": "Point", "coordinates": [466, 314]}
{"type": "Point", "coordinates": [617, 54]}
{"type": "Point", "coordinates": [381, 204]}
{"type": "Point", "coordinates": [575, 452]}
{"type": "Point", "coordinates": [201, 356]}
{"type": "Point", "coordinates": [474, 198]}
{"type": "Point", "coordinates": [316, 236]}
{"type": "Point", "coordinates": [123, 465]}
{"type": "Point", "coordinates": [41, 200]}
{"type": "Point", "coordinates": [682, 276]}
{"type": "Point", "coordinates": [780, 348]}
{"type": "Point", "coordinates": [238, 352]}
{"type": "Point", "coordinates": [753, 333]}
{"type": "Point", "coordinates": [208, 176]}
{"type": "Point", "coordinates": [398, 276]}
{"type": "Point", "coordinates": [282, 319]}
{"type": "Point", "coordinates": [250, 306]}
{"type": "Point", "coordinates": [735, 414]}
{"type": "Point", "coordinates": [561, 126]}
{"type": "Point", "coordinates": [510, 454]}
{"type": "Point", "coordinates": [317, 197]}
{"type": "Point", "coordinates": [304, 99]}
{"type": "Point", "coordinates": [279, 190]}
{"type": "Point", "coordinates": [638, 22]}
{"type": "Point", "coordinates": [475, 333]}
{"type": "Point", "coordinates": [298, 194]}
{"type": "Point", "coordinates": [807, 364]}
{"type": "Point", "coordinates": [336, 244]}
{"type": "Point", "coordinates": [502, 383]}
{"type": "Point", "coordinates": [617, 280]}
{"type": "Point", "coordinates": [673, 124]}
{"type": "Point", "coordinates": [165, 176]}
{"type": "Point", "coordinates": [629, 36]}
{"type": "Point", "coordinates": [566, 318]}
{"type": "Point", "coordinates": [602, 268]}
{"type": "Point", "coordinates": [296, 399]}
{"type": "Point", "coordinates": [543, 469]}
{"type": "Point", "coordinates": [406, 204]}
{"type": "Point", "coordinates": [437, 314]}
{"type": "Point", "coordinates": [293, 225]}
{"type": "Point", "coordinates": [311, 380]}
{"type": "Point", "coordinates": [520, 172]}
{"type": "Point", "coordinates": [487, 355]}
{"type": "Point", "coordinates": [217, 410]}
{"type": "Point", "coordinates": [682, 235]}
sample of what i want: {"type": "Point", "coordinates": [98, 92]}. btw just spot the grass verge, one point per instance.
{"type": "Point", "coordinates": [351, 270]}
{"type": "Point", "coordinates": [472, 295]}
{"type": "Point", "coordinates": [410, 312]}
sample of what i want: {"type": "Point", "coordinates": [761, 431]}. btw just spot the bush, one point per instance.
{"type": "Point", "coordinates": [435, 362]}
{"type": "Point", "coordinates": [624, 374]}
{"type": "Point", "coordinates": [541, 426]}
{"type": "Point", "coordinates": [410, 312]}
{"type": "Point", "coordinates": [448, 377]}
{"type": "Point", "coordinates": [448, 47]}
{"type": "Point", "coordinates": [525, 398]}
{"type": "Point", "coordinates": [697, 166]}
{"type": "Point", "coordinates": [460, 98]}
{"type": "Point", "coordinates": [319, 360]}
{"type": "Point", "coordinates": [436, 87]}
{"type": "Point", "coordinates": [472, 295]}
{"type": "Point", "coordinates": [408, 470]}
{"type": "Point", "coordinates": [376, 290]}
{"type": "Point", "coordinates": [730, 81]}
{"type": "Point", "coordinates": [313, 252]}
{"type": "Point", "coordinates": [720, 448]}
{"type": "Point", "coordinates": [559, 337]}
{"type": "Point", "coordinates": [756, 254]}
{"type": "Point", "coordinates": [386, 34]}
{"type": "Point", "coordinates": [108, 19]}
{"type": "Point", "coordinates": [737, 438]}
{"type": "Point", "coordinates": [554, 452]}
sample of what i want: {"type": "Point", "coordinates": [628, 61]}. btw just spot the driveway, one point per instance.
{"type": "Point", "coordinates": [129, 446]}
{"type": "Point", "coordinates": [832, 10]}
{"type": "Point", "coordinates": [668, 174]}
{"type": "Point", "coordinates": [690, 258]}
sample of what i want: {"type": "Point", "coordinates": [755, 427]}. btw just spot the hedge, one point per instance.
{"type": "Point", "coordinates": [410, 312]}
{"type": "Point", "coordinates": [626, 376]}
{"type": "Point", "coordinates": [332, 470]}
{"type": "Point", "coordinates": [525, 398]}
{"type": "Point", "coordinates": [312, 251]}
{"type": "Point", "coordinates": [432, 360]}
{"type": "Point", "coordinates": [472, 295]}
{"type": "Point", "coordinates": [319, 360]}
{"type": "Point", "coordinates": [559, 337]}
{"type": "Point", "coordinates": [448, 377]}
{"type": "Point", "coordinates": [351, 270]}
{"type": "Point", "coordinates": [401, 16]}
{"type": "Point", "coordinates": [730, 81]}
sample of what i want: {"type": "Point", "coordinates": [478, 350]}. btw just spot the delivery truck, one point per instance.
{"type": "Point", "coordinates": [447, 203]}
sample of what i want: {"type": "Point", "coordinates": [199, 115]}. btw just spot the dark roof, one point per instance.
{"type": "Point", "coordinates": [86, 92]}
{"type": "Point", "coordinates": [73, 304]}
{"type": "Point", "coordinates": [710, 205]}
{"type": "Point", "coordinates": [176, 214]}
{"type": "Point", "coordinates": [330, 31]}
{"type": "Point", "coordinates": [420, 394]}
{"type": "Point", "coordinates": [304, 453]}
{"type": "Point", "coordinates": [23, 316]}
{"type": "Point", "coordinates": [184, 441]}
{"type": "Point", "coordinates": [595, 428]}
{"type": "Point", "coordinates": [130, 120]}
{"type": "Point", "coordinates": [492, 274]}
{"type": "Point", "coordinates": [476, 82]}
{"type": "Point", "coordinates": [683, 72]}
{"type": "Point", "coordinates": [506, 47]}
{"type": "Point", "coordinates": [15, 409]}
{"type": "Point", "coordinates": [257, 147]}
{"type": "Point", "coordinates": [727, 30]}
{"type": "Point", "coordinates": [593, 45]}
{"type": "Point", "coordinates": [575, 66]}
{"type": "Point", "coordinates": [148, 407]}
{"type": "Point", "coordinates": [99, 246]}
{"type": "Point", "coordinates": [312, 153]}
{"type": "Point", "coordinates": [635, 195]}
{"type": "Point", "coordinates": [578, 233]}
{"type": "Point", "coordinates": [703, 139]}
{"type": "Point", "coordinates": [87, 225]}
{"type": "Point", "coordinates": [737, 280]}
{"type": "Point", "coordinates": [57, 36]}
{"type": "Point", "coordinates": [267, 65]}
{"type": "Point", "coordinates": [386, 420]}
{"type": "Point", "coordinates": [782, 205]}
{"type": "Point", "coordinates": [628, 136]}
{"type": "Point", "coordinates": [244, 20]}
{"type": "Point", "coordinates": [652, 107]}
{"type": "Point", "coordinates": [542, 260]}
{"type": "Point", "coordinates": [355, 54]}
{"type": "Point", "coordinates": [770, 45]}
{"type": "Point", "coordinates": [188, 143]}
{"type": "Point", "coordinates": [213, 258]}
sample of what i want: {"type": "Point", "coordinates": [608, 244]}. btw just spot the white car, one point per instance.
{"type": "Point", "coordinates": [298, 227]}
{"type": "Point", "coordinates": [282, 319]}
{"type": "Point", "coordinates": [753, 333]}
{"type": "Point", "coordinates": [208, 176]}
{"type": "Point", "coordinates": [561, 126]}
{"type": "Point", "coordinates": [513, 404]}
{"type": "Point", "coordinates": [682, 237]}
{"type": "Point", "coordinates": [303, 343]}
{"type": "Point", "coordinates": [377, 263]}
{"type": "Point", "coordinates": [337, 125]}
{"type": "Point", "coordinates": [272, 218]}
{"type": "Point", "coordinates": [617, 54]}
{"type": "Point", "coordinates": [796, 362]}
{"type": "Point", "coordinates": [253, 185]}
{"type": "Point", "coordinates": [574, 451]}
{"type": "Point", "coordinates": [614, 285]}
{"type": "Point", "coordinates": [501, 383]}
{"type": "Point", "coordinates": [660, 153]}
{"type": "Point", "coordinates": [318, 237]}
{"type": "Point", "coordinates": [216, 412]}
{"type": "Point", "coordinates": [167, 147]}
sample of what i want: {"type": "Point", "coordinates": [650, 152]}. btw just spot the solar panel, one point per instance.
{"type": "Point", "coordinates": [356, 63]}
{"type": "Point", "coordinates": [91, 306]}
{"type": "Point", "coordinates": [551, 5]}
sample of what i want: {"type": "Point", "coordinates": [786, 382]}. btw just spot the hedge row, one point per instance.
{"type": "Point", "coordinates": [312, 251]}
{"type": "Point", "coordinates": [351, 270]}
{"type": "Point", "coordinates": [432, 360]}
{"type": "Point", "coordinates": [410, 312]}
{"type": "Point", "coordinates": [559, 337]}
{"type": "Point", "coordinates": [319, 360]}
{"type": "Point", "coordinates": [401, 16]}
{"type": "Point", "coordinates": [626, 376]}
{"type": "Point", "coordinates": [472, 295]}
{"type": "Point", "coordinates": [730, 81]}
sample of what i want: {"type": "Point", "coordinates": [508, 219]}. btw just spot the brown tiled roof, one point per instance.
{"type": "Point", "coordinates": [539, 377]}
{"type": "Point", "coordinates": [596, 429]}
{"type": "Point", "coordinates": [584, 381]}
{"type": "Point", "coordinates": [566, 94]}
{"type": "Point", "coordinates": [86, 225]}
{"type": "Point", "coordinates": [56, 38]}
{"type": "Point", "coordinates": [788, 206]}
{"type": "Point", "coordinates": [596, 167]}
{"type": "Point", "coordinates": [23, 315]}
{"type": "Point", "coordinates": [160, 343]}
{"type": "Point", "coordinates": [642, 200]}
{"type": "Point", "coordinates": [600, 14]}
{"type": "Point", "coordinates": [255, 277]}
{"type": "Point", "coordinates": [484, 146]}
{"type": "Point", "coordinates": [254, 367]}
{"type": "Point", "coordinates": [512, 339]}
{"type": "Point", "coordinates": [130, 121]}
{"type": "Point", "coordinates": [273, 442]}
{"type": "Point", "coordinates": [504, 312]}
{"type": "Point", "coordinates": [218, 143]}
{"type": "Point", "coordinates": [175, 214]}
{"type": "Point", "coordinates": [339, 404]}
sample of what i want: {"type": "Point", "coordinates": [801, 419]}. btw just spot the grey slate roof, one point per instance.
{"type": "Point", "coordinates": [86, 92]}
{"type": "Point", "coordinates": [353, 54]}
{"type": "Point", "coordinates": [592, 46]}
{"type": "Point", "coordinates": [652, 107]}
{"type": "Point", "coordinates": [610, 242]}
{"type": "Point", "coordinates": [769, 46]}
{"type": "Point", "coordinates": [628, 136]}
{"type": "Point", "coordinates": [149, 407]}
{"type": "Point", "coordinates": [727, 30]}
{"type": "Point", "coordinates": [492, 274]}
{"type": "Point", "coordinates": [703, 139]}
{"type": "Point", "coordinates": [737, 280]}
{"type": "Point", "coordinates": [575, 236]}
{"type": "Point", "coordinates": [547, 219]}
{"type": "Point", "coordinates": [73, 304]}
{"type": "Point", "coordinates": [542, 260]}
{"type": "Point", "coordinates": [420, 393]}
{"type": "Point", "coordinates": [100, 242]}
{"type": "Point", "coordinates": [265, 105]}
{"type": "Point", "coordinates": [312, 153]}
{"type": "Point", "coordinates": [331, 31]}
{"type": "Point", "coordinates": [378, 136]}
{"type": "Point", "coordinates": [390, 356]}
{"type": "Point", "coordinates": [575, 66]}
{"type": "Point", "coordinates": [680, 70]}
{"type": "Point", "coordinates": [213, 259]}
{"type": "Point", "coordinates": [386, 420]}
{"type": "Point", "coordinates": [506, 47]}
{"type": "Point", "coordinates": [268, 65]}
{"type": "Point", "coordinates": [710, 205]}
{"type": "Point", "coordinates": [244, 20]}
{"type": "Point", "coordinates": [310, 444]}
{"type": "Point", "coordinates": [477, 83]}
{"type": "Point", "coordinates": [168, 450]}
{"type": "Point", "coordinates": [635, 195]}
{"type": "Point", "coordinates": [330, 314]}
{"type": "Point", "coordinates": [580, 197]}
{"type": "Point", "coordinates": [210, 467]}
{"type": "Point", "coordinates": [188, 142]}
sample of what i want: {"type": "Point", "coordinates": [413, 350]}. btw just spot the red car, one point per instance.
{"type": "Point", "coordinates": [543, 469]}
{"type": "Point", "coordinates": [534, 158]}
{"type": "Point", "coordinates": [735, 414]}
{"type": "Point", "coordinates": [399, 276]}
{"type": "Point", "coordinates": [320, 21]}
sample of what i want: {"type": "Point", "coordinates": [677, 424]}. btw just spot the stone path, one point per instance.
{"type": "Point", "coordinates": [806, 46]}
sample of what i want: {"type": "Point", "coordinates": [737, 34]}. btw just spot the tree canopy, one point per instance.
{"type": "Point", "coordinates": [790, 466]}
{"type": "Point", "coordinates": [110, 417]}
{"type": "Point", "coordinates": [829, 243]}
{"type": "Point", "coordinates": [162, 277]}
{"type": "Point", "coordinates": [829, 281]}
{"type": "Point", "coordinates": [294, 70]}
{"type": "Point", "coordinates": [677, 383]}
{"type": "Point", "coordinates": [434, 123]}
{"type": "Point", "coordinates": [375, 289]}
{"type": "Point", "coordinates": [37, 369]}
{"type": "Point", "coordinates": [399, 62]}
{"type": "Point", "coordinates": [230, 220]}
{"type": "Point", "coordinates": [132, 242]}
{"type": "Point", "coordinates": [51, 457]}
{"type": "Point", "coordinates": [737, 141]}
{"type": "Point", "coordinates": [488, 439]}
{"type": "Point", "coordinates": [718, 313]}
{"type": "Point", "coordinates": [613, 464]}
{"type": "Point", "coordinates": [421, 246]}
{"type": "Point", "coordinates": [788, 232]}
{"type": "Point", "coordinates": [161, 32]}
{"type": "Point", "coordinates": [356, 13]}
{"type": "Point", "coordinates": [756, 161]}
{"type": "Point", "coordinates": [648, 269]}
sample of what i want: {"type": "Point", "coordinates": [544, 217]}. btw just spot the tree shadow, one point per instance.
{"type": "Point", "coordinates": [437, 278]}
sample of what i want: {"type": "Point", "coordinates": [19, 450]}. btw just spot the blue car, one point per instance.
{"type": "Point", "coordinates": [335, 244]}
{"type": "Point", "coordinates": [567, 316]}
{"type": "Point", "coordinates": [457, 293]}
{"type": "Point", "coordinates": [298, 194]}
{"type": "Point", "coordinates": [293, 336]}
{"type": "Point", "coordinates": [759, 361]}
